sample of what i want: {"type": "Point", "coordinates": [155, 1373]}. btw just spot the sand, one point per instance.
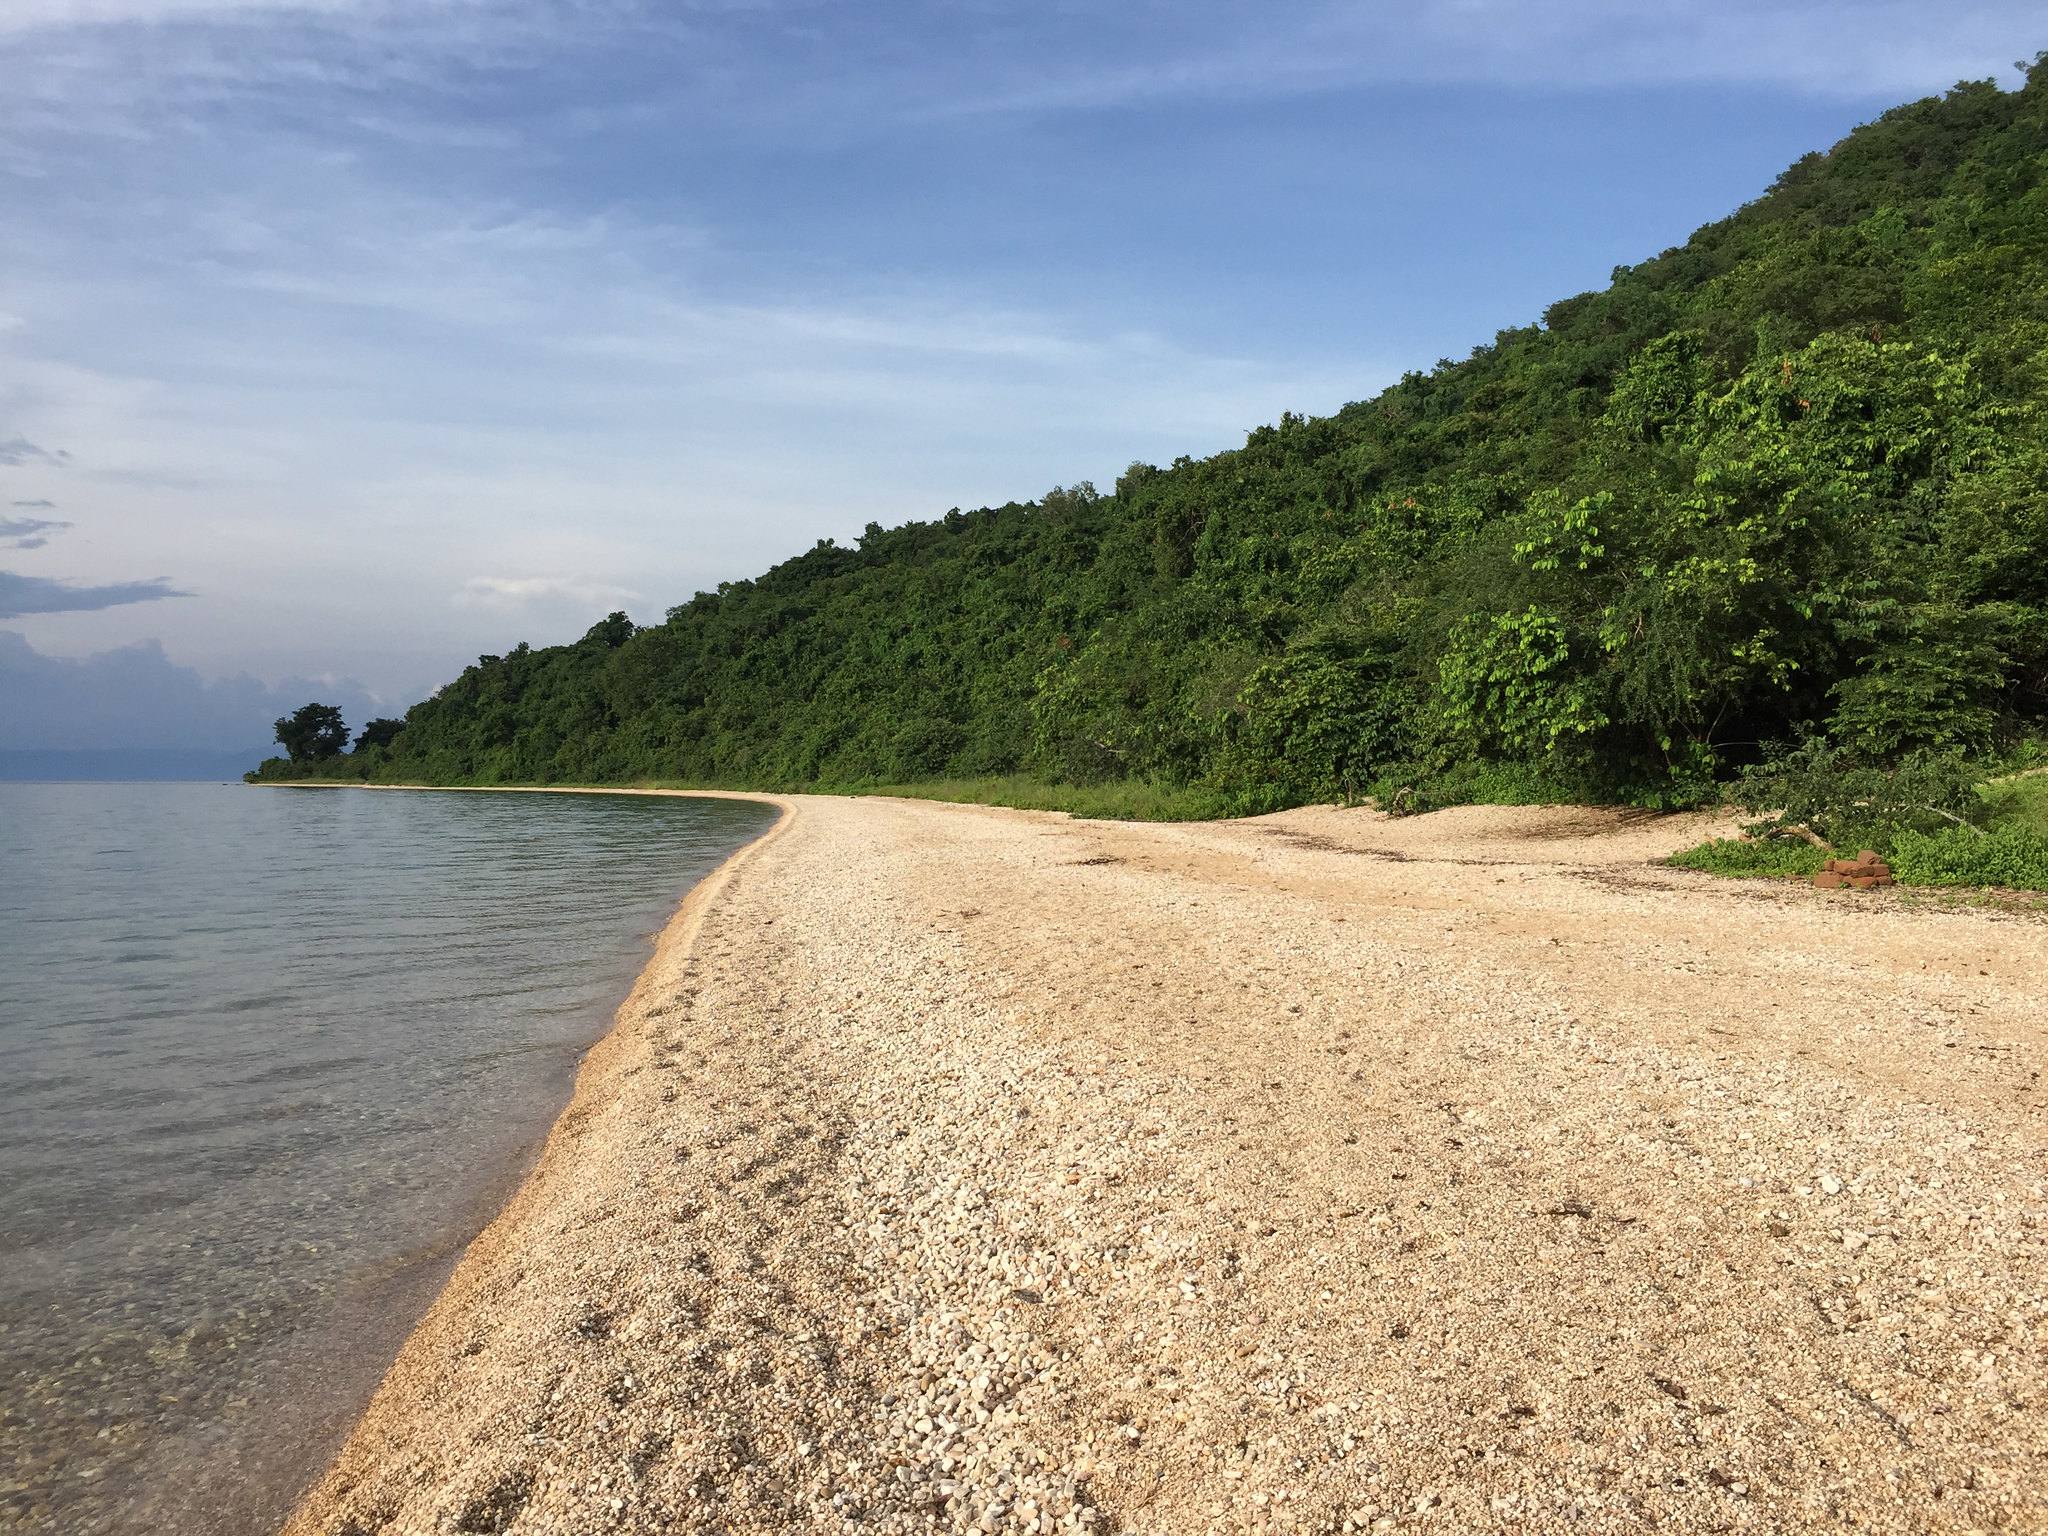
{"type": "Point", "coordinates": [955, 1168]}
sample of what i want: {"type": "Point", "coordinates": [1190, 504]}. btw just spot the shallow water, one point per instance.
{"type": "Point", "coordinates": [268, 1058]}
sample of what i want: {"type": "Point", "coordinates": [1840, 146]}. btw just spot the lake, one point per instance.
{"type": "Point", "coordinates": [268, 1059]}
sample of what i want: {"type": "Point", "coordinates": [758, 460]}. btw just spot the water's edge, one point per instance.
{"type": "Point", "coordinates": [516, 1185]}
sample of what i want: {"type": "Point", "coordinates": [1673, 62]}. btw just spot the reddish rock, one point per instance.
{"type": "Point", "coordinates": [1829, 879]}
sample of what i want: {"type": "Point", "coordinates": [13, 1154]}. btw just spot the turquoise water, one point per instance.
{"type": "Point", "coordinates": [268, 1057]}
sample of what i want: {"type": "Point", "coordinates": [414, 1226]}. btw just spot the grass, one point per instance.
{"type": "Point", "coordinates": [1755, 858]}
{"type": "Point", "coordinates": [2018, 802]}
{"type": "Point", "coordinates": [1482, 784]}
{"type": "Point", "coordinates": [1135, 801]}
{"type": "Point", "coordinates": [2012, 857]}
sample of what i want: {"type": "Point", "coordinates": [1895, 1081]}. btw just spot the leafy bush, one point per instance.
{"type": "Point", "coordinates": [1935, 687]}
{"type": "Point", "coordinates": [2014, 856]}
{"type": "Point", "coordinates": [1776, 858]}
{"type": "Point", "coordinates": [1311, 727]}
{"type": "Point", "coordinates": [1413, 788]}
{"type": "Point", "coordinates": [1852, 802]}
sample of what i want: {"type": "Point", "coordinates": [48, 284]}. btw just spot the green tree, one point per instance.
{"type": "Point", "coordinates": [378, 733]}
{"type": "Point", "coordinates": [312, 733]}
{"type": "Point", "coordinates": [1785, 482]}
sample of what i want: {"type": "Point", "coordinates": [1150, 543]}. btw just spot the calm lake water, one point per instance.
{"type": "Point", "coordinates": [268, 1058]}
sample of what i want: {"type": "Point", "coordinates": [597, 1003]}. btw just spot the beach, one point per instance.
{"type": "Point", "coordinates": [959, 1168]}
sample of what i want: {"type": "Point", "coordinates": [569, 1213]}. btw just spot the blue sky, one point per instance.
{"type": "Point", "coordinates": [347, 339]}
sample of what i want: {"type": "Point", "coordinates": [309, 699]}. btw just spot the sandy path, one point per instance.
{"type": "Point", "coordinates": [957, 1167]}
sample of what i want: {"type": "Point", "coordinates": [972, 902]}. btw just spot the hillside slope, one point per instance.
{"type": "Point", "coordinates": [1788, 476]}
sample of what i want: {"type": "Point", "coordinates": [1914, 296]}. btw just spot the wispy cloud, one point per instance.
{"type": "Point", "coordinates": [17, 451]}
{"type": "Point", "coordinates": [765, 67]}
{"type": "Point", "coordinates": [23, 595]}
{"type": "Point", "coordinates": [28, 532]}
{"type": "Point", "coordinates": [510, 592]}
{"type": "Point", "coordinates": [23, 16]}
{"type": "Point", "coordinates": [1219, 50]}
{"type": "Point", "coordinates": [41, 503]}
{"type": "Point", "coordinates": [341, 301]}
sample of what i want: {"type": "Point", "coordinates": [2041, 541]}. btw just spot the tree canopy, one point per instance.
{"type": "Point", "coordinates": [1786, 481]}
{"type": "Point", "coordinates": [311, 733]}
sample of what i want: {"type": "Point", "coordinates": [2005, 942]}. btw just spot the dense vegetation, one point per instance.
{"type": "Point", "coordinates": [1781, 489]}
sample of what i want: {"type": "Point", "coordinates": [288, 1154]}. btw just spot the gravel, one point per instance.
{"type": "Point", "coordinates": [963, 1169]}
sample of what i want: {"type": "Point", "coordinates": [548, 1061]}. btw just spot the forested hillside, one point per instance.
{"type": "Point", "coordinates": [1788, 479]}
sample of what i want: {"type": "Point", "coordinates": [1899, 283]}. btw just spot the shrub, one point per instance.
{"type": "Point", "coordinates": [1854, 802]}
{"type": "Point", "coordinates": [2013, 856]}
{"type": "Point", "coordinates": [1412, 788]}
{"type": "Point", "coordinates": [1310, 727]}
{"type": "Point", "coordinates": [1769, 858]}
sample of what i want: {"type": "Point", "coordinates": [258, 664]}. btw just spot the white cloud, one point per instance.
{"type": "Point", "coordinates": [1858, 48]}
{"type": "Point", "coordinates": [506, 592]}
{"type": "Point", "coordinates": [793, 62]}
{"type": "Point", "coordinates": [47, 15]}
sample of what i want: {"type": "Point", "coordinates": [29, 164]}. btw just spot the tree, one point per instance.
{"type": "Point", "coordinates": [312, 733]}
{"type": "Point", "coordinates": [1787, 481]}
{"type": "Point", "coordinates": [378, 733]}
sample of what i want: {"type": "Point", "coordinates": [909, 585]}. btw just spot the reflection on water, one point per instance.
{"type": "Point", "coordinates": [267, 1058]}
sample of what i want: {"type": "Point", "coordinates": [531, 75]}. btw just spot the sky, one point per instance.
{"type": "Point", "coordinates": [344, 340]}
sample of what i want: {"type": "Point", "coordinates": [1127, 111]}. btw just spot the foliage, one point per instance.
{"type": "Point", "coordinates": [312, 733]}
{"type": "Point", "coordinates": [1126, 801]}
{"type": "Point", "coordinates": [2015, 857]}
{"type": "Point", "coordinates": [1785, 483]}
{"type": "Point", "coordinates": [1413, 788]}
{"type": "Point", "coordinates": [378, 733]}
{"type": "Point", "coordinates": [1312, 725]}
{"type": "Point", "coordinates": [2018, 801]}
{"type": "Point", "coordinates": [1852, 802]}
{"type": "Point", "coordinates": [1774, 858]}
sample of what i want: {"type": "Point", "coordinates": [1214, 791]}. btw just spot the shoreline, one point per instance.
{"type": "Point", "coordinates": [675, 936]}
{"type": "Point", "coordinates": [954, 1168]}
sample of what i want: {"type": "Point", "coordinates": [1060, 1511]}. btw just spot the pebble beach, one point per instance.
{"type": "Point", "coordinates": [962, 1169]}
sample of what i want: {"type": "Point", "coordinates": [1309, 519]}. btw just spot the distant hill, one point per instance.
{"type": "Point", "coordinates": [1789, 477]}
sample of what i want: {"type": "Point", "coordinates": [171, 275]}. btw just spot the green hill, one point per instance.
{"type": "Point", "coordinates": [1790, 477]}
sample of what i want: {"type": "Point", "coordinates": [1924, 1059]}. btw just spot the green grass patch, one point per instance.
{"type": "Point", "coordinates": [1760, 858]}
{"type": "Point", "coordinates": [2020, 802]}
{"type": "Point", "coordinates": [1478, 783]}
{"type": "Point", "coordinates": [1133, 801]}
{"type": "Point", "coordinates": [2013, 855]}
